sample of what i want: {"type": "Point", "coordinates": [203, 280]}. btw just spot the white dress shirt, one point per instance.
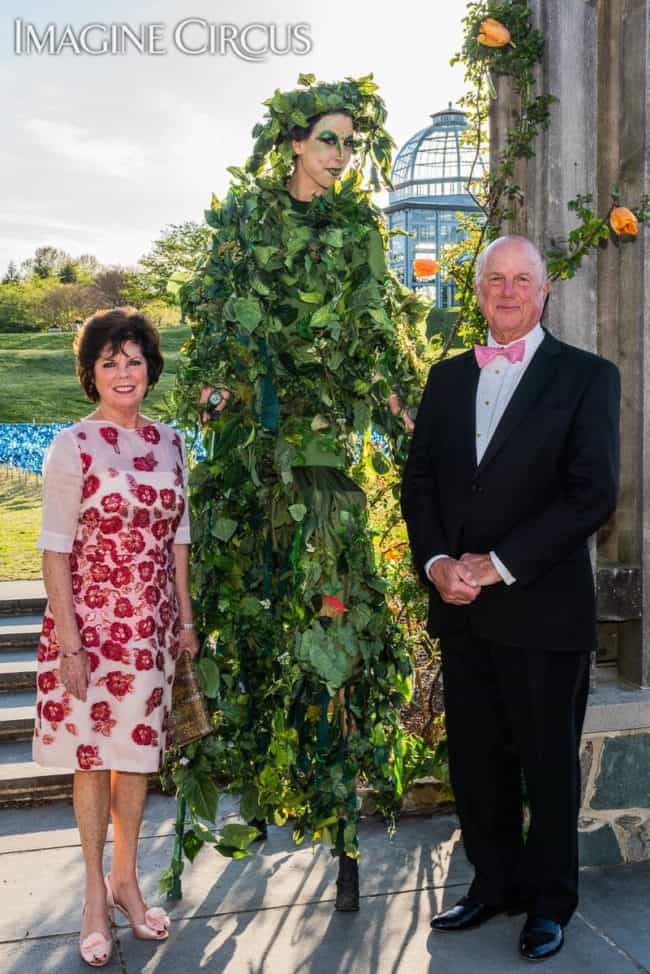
{"type": "Point", "coordinates": [496, 385]}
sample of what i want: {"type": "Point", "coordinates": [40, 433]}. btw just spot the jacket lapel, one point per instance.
{"type": "Point", "coordinates": [537, 375]}
{"type": "Point", "coordinates": [466, 415]}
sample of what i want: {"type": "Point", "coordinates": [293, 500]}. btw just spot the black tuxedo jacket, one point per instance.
{"type": "Point", "coordinates": [547, 481]}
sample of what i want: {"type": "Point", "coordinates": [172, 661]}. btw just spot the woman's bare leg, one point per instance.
{"type": "Point", "coordinates": [128, 794]}
{"type": "Point", "coordinates": [91, 801]}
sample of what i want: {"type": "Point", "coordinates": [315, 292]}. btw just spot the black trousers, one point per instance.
{"type": "Point", "coordinates": [514, 719]}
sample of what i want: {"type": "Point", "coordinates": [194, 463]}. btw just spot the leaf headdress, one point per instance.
{"type": "Point", "coordinates": [287, 110]}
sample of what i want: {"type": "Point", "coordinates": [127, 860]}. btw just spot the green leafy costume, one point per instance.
{"type": "Point", "coordinates": [295, 312]}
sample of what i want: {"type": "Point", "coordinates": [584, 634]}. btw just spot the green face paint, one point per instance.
{"type": "Point", "coordinates": [330, 138]}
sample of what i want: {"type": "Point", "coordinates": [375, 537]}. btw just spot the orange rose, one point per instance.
{"type": "Point", "coordinates": [425, 267]}
{"type": "Point", "coordinates": [492, 33]}
{"type": "Point", "coordinates": [623, 222]}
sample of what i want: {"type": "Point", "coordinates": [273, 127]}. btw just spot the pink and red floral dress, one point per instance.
{"type": "Point", "coordinates": [116, 499]}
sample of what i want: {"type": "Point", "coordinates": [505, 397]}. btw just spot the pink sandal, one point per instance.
{"type": "Point", "coordinates": [95, 949]}
{"type": "Point", "coordinates": [156, 921]}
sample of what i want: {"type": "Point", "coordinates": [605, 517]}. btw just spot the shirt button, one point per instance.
{"type": "Point", "coordinates": [478, 434]}
{"type": "Point", "coordinates": [497, 371]}
{"type": "Point", "coordinates": [477, 489]}
{"type": "Point", "coordinates": [487, 402]}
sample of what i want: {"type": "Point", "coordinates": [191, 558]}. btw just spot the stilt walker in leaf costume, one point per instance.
{"type": "Point", "coordinates": [303, 335]}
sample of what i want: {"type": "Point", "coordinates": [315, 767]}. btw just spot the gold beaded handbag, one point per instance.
{"type": "Point", "coordinates": [189, 720]}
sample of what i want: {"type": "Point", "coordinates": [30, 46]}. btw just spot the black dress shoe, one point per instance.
{"type": "Point", "coordinates": [465, 915]}
{"type": "Point", "coordinates": [347, 885]}
{"type": "Point", "coordinates": [540, 938]}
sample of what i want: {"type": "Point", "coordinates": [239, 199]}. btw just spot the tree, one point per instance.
{"type": "Point", "coordinates": [68, 274]}
{"type": "Point", "coordinates": [11, 275]}
{"type": "Point", "coordinates": [68, 303]}
{"type": "Point", "coordinates": [47, 262]}
{"type": "Point", "coordinates": [176, 251]}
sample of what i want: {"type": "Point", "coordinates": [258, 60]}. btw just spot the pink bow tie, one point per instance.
{"type": "Point", "coordinates": [485, 353]}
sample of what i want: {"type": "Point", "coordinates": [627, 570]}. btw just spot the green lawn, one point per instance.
{"type": "Point", "coordinates": [38, 382]}
{"type": "Point", "coordinates": [20, 516]}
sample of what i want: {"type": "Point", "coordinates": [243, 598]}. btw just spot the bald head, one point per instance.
{"type": "Point", "coordinates": [511, 287]}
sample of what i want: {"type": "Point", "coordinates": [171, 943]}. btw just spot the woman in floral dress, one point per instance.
{"type": "Point", "coordinates": [115, 564]}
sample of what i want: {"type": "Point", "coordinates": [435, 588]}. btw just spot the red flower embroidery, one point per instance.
{"type": "Point", "coordinates": [100, 572]}
{"type": "Point", "coordinates": [154, 701]}
{"type": "Point", "coordinates": [146, 494]}
{"type": "Point", "coordinates": [48, 625]}
{"type": "Point", "coordinates": [112, 503]}
{"type": "Point", "coordinates": [111, 525]}
{"type": "Point", "coordinates": [90, 518]}
{"type": "Point", "coordinates": [93, 661]}
{"type": "Point", "coordinates": [123, 608]}
{"type": "Point", "coordinates": [94, 597]}
{"type": "Point", "coordinates": [145, 627]}
{"type": "Point", "coordinates": [160, 529]}
{"type": "Point", "coordinates": [150, 434]}
{"type": "Point", "coordinates": [100, 713]}
{"type": "Point", "coordinates": [48, 681]}
{"type": "Point", "coordinates": [72, 729]}
{"type": "Point", "coordinates": [152, 595]}
{"type": "Point", "coordinates": [88, 757]}
{"type": "Point", "coordinates": [165, 613]}
{"type": "Point", "coordinates": [160, 661]}
{"type": "Point", "coordinates": [81, 436]}
{"type": "Point", "coordinates": [178, 476]}
{"type": "Point", "coordinates": [146, 570]}
{"type": "Point", "coordinates": [47, 739]}
{"type": "Point", "coordinates": [54, 712]}
{"type": "Point", "coordinates": [141, 518]}
{"type": "Point", "coordinates": [74, 563]}
{"type": "Point", "coordinates": [145, 735]}
{"type": "Point", "coordinates": [133, 541]}
{"type": "Point", "coordinates": [121, 576]}
{"type": "Point", "coordinates": [90, 636]}
{"type": "Point", "coordinates": [121, 632]}
{"type": "Point", "coordinates": [47, 652]}
{"type": "Point", "coordinates": [143, 660]}
{"type": "Point", "coordinates": [147, 463]}
{"type": "Point", "coordinates": [167, 498]}
{"type": "Point", "coordinates": [118, 683]}
{"type": "Point", "coordinates": [115, 651]}
{"type": "Point", "coordinates": [91, 484]}
{"type": "Point", "coordinates": [110, 434]}
{"type": "Point", "coordinates": [77, 582]}
{"type": "Point", "coordinates": [86, 460]}
{"type": "Point", "coordinates": [161, 577]}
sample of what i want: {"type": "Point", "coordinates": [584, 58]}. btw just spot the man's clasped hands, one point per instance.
{"type": "Point", "coordinates": [459, 581]}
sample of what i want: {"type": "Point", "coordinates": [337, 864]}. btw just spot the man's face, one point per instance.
{"type": "Point", "coordinates": [324, 155]}
{"type": "Point", "coordinates": [511, 290]}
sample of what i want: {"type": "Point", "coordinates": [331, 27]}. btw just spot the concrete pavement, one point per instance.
{"type": "Point", "coordinates": [272, 913]}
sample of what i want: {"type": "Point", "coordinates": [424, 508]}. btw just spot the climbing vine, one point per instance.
{"type": "Point", "coordinates": [501, 42]}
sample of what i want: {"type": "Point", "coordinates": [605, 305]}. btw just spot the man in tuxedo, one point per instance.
{"type": "Point", "coordinates": [513, 465]}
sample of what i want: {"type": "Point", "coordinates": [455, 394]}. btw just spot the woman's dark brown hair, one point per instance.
{"type": "Point", "coordinates": [114, 327]}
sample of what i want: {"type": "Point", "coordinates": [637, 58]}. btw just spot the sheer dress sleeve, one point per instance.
{"type": "Point", "coordinates": [62, 486]}
{"type": "Point", "coordinates": [182, 535]}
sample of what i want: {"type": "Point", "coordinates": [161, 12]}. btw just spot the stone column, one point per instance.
{"type": "Point", "coordinates": [633, 516]}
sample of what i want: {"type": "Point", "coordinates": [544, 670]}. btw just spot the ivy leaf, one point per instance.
{"type": "Point", "coordinates": [297, 511]}
{"type": "Point", "coordinates": [248, 313]}
{"type": "Point", "coordinates": [200, 791]}
{"type": "Point", "coordinates": [238, 836]}
{"type": "Point", "coordinates": [376, 257]}
{"type": "Point", "coordinates": [224, 528]}
{"type": "Point", "coordinates": [310, 297]}
{"type": "Point", "coordinates": [208, 675]}
{"type": "Point", "coordinates": [192, 845]}
{"type": "Point", "coordinates": [264, 254]}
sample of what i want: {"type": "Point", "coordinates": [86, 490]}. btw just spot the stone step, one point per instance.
{"type": "Point", "coordinates": [19, 632]}
{"type": "Point", "coordinates": [17, 715]}
{"type": "Point", "coordinates": [17, 670]}
{"type": "Point", "coordinates": [22, 782]}
{"type": "Point", "coordinates": [22, 598]}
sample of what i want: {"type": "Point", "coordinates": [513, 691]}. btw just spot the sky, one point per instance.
{"type": "Point", "coordinates": [99, 154]}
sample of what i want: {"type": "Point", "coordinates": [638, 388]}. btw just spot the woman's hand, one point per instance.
{"type": "Point", "coordinates": [203, 398]}
{"type": "Point", "coordinates": [188, 643]}
{"type": "Point", "coordinates": [396, 408]}
{"type": "Point", "coordinates": [74, 671]}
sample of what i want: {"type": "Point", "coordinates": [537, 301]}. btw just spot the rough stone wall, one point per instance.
{"type": "Point", "coordinates": [615, 818]}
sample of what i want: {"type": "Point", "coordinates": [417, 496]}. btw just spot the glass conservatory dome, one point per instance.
{"type": "Point", "coordinates": [430, 176]}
